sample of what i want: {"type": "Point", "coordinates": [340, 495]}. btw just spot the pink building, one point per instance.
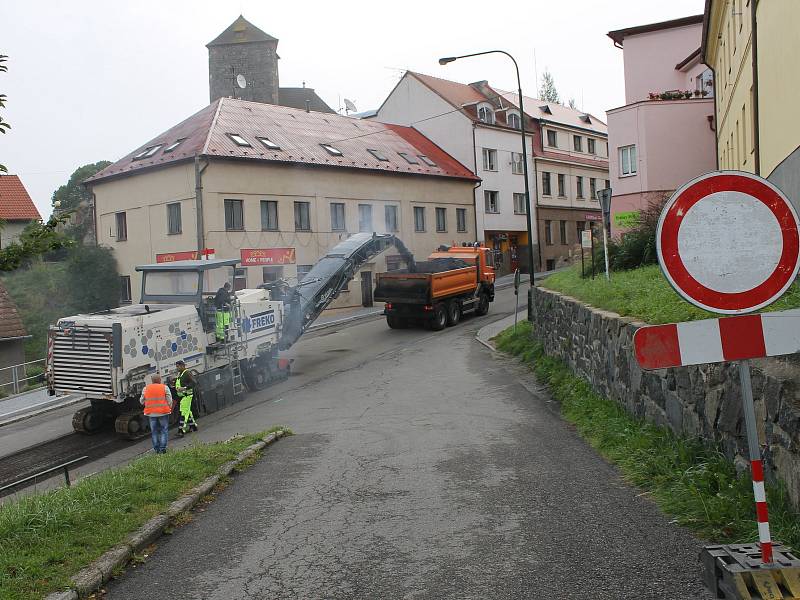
{"type": "Point", "coordinates": [663, 136]}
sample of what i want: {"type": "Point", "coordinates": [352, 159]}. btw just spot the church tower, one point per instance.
{"type": "Point", "coordinates": [243, 55]}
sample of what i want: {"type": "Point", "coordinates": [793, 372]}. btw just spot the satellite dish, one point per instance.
{"type": "Point", "coordinates": [241, 81]}
{"type": "Point", "coordinates": [349, 106]}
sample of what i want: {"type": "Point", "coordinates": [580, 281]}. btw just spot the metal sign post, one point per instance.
{"type": "Point", "coordinates": [604, 196]}
{"type": "Point", "coordinates": [729, 242]}
{"type": "Point", "coordinates": [516, 297]}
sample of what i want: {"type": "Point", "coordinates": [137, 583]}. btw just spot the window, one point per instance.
{"type": "Point", "coordinates": [514, 121]}
{"type": "Point", "coordinates": [337, 216]}
{"type": "Point", "coordinates": [426, 160]}
{"type": "Point", "coordinates": [269, 215]}
{"type": "Point", "coordinates": [408, 158]}
{"type": "Point", "coordinates": [577, 143]}
{"type": "Point", "coordinates": [365, 217]}
{"type": "Point", "coordinates": [591, 147]}
{"type": "Point", "coordinates": [608, 184]}
{"type": "Point", "coordinates": [461, 220]}
{"type": "Point", "coordinates": [489, 159]}
{"type": "Point", "coordinates": [270, 274]}
{"type": "Point", "coordinates": [268, 143]}
{"type": "Point", "coordinates": [125, 289]}
{"type": "Point", "coordinates": [302, 271]}
{"type": "Point", "coordinates": [390, 214]}
{"type": "Point", "coordinates": [486, 114]}
{"type": "Point", "coordinates": [174, 218]}
{"type": "Point", "coordinates": [562, 192]}
{"type": "Point", "coordinates": [579, 225]}
{"type": "Point", "coordinates": [490, 200]}
{"type": "Point", "coordinates": [517, 166]}
{"type": "Point", "coordinates": [234, 215]}
{"type": "Point", "coordinates": [579, 187]}
{"type": "Point", "coordinates": [378, 154]}
{"type": "Point", "coordinates": [238, 140]}
{"type": "Point", "coordinates": [519, 204]}
{"type": "Point", "coordinates": [546, 189]}
{"type": "Point", "coordinates": [441, 219]}
{"type": "Point", "coordinates": [550, 264]}
{"type": "Point", "coordinates": [548, 234]}
{"type": "Point", "coordinates": [419, 218]}
{"type": "Point", "coordinates": [173, 145]}
{"type": "Point", "coordinates": [627, 160]}
{"type": "Point", "coordinates": [552, 138]}
{"type": "Point", "coordinates": [592, 188]}
{"type": "Point", "coordinates": [122, 226]}
{"type": "Point", "coordinates": [562, 231]}
{"type": "Point", "coordinates": [302, 216]}
{"type": "Point", "coordinates": [331, 150]}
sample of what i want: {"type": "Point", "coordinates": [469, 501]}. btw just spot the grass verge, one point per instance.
{"type": "Point", "coordinates": [643, 293]}
{"type": "Point", "coordinates": [46, 538]}
{"type": "Point", "coordinates": [689, 480]}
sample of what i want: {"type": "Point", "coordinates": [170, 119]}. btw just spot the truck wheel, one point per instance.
{"type": "Point", "coordinates": [483, 305]}
{"type": "Point", "coordinates": [453, 313]}
{"type": "Point", "coordinates": [439, 321]}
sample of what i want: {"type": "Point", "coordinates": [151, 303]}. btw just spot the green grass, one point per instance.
{"type": "Point", "coordinates": [643, 293]}
{"type": "Point", "coordinates": [46, 538]}
{"type": "Point", "coordinates": [691, 481]}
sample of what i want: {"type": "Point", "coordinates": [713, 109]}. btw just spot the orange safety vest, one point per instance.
{"type": "Point", "coordinates": [155, 399]}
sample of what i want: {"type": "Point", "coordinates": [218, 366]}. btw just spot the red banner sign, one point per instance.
{"type": "Point", "coordinates": [264, 257]}
{"type": "Point", "coordinates": [173, 256]}
{"type": "Point", "coordinates": [593, 216]}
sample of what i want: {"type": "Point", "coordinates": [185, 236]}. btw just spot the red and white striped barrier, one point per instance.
{"type": "Point", "coordinates": [718, 340]}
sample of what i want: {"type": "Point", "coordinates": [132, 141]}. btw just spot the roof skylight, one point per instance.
{"type": "Point", "coordinates": [148, 152]}
{"type": "Point", "coordinates": [331, 150]}
{"type": "Point", "coordinates": [408, 158]}
{"type": "Point", "coordinates": [268, 143]}
{"type": "Point", "coordinates": [238, 140]}
{"type": "Point", "coordinates": [427, 160]}
{"type": "Point", "coordinates": [378, 154]}
{"type": "Point", "coordinates": [174, 145]}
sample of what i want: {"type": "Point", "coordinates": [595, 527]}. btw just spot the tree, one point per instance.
{"type": "Point", "coordinates": [92, 278]}
{"type": "Point", "coordinates": [75, 198]}
{"type": "Point", "coordinates": [36, 239]}
{"type": "Point", "coordinates": [548, 91]}
{"type": "Point", "coordinates": [572, 104]}
{"type": "Point", "coordinates": [4, 126]}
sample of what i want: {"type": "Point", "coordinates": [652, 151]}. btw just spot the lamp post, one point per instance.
{"type": "Point", "coordinates": [449, 59]}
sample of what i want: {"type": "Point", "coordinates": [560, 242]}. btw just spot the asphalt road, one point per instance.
{"type": "Point", "coordinates": [423, 466]}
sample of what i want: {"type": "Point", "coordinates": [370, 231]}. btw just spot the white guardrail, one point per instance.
{"type": "Point", "coordinates": [23, 377]}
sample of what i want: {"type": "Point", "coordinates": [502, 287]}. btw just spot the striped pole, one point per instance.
{"type": "Point", "coordinates": [757, 467]}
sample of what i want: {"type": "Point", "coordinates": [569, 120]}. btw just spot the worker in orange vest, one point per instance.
{"type": "Point", "coordinates": [157, 401]}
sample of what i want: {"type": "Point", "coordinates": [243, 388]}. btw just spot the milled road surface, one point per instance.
{"type": "Point", "coordinates": [427, 471]}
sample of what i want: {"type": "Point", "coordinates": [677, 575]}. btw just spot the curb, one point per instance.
{"type": "Point", "coordinates": [93, 576]}
{"type": "Point", "coordinates": [42, 411]}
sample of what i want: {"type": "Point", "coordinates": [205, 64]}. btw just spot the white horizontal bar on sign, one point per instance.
{"type": "Point", "coordinates": [700, 342]}
{"type": "Point", "coordinates": [781, 332]}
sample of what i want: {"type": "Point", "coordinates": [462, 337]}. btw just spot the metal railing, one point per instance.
{"type": "Point", "coordinates": [17, 378]}
{"type": "Point", "coordinates": [65, 466]}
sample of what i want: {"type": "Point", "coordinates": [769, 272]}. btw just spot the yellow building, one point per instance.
{"type": "Point", "coordinates": [754, 50]}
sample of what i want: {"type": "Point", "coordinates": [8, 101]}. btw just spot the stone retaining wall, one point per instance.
{"type": "Point", "coordinates": [694, 401]}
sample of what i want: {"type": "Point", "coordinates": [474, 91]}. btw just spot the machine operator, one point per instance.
{"type": "Point", "coordinates": [185, 385]}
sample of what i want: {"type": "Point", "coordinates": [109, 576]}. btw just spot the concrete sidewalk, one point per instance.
{"type": "Point", "coordinates": [31, 403]}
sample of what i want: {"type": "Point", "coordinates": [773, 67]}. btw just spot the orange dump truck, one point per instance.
{"type": "Point", "coordinates": [437, 292]}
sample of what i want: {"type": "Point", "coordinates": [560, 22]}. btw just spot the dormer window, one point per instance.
{"type": "Point", "coordinates": [513, 120]}
{"type": "Point", "coordinates": [486, 114]}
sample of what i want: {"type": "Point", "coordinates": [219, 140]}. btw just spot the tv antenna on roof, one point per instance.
{"type": "Point", "coordinates": [349, 106]}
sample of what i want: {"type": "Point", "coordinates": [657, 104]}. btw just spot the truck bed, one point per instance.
{"type": "Point", "coordinates": [424, 288]}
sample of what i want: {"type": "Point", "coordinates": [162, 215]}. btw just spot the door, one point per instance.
{"type": "Point", "coordinates": [366, 288]}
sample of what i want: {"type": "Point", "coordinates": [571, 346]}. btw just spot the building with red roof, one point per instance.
{"type": "Point", "coordinates": [480, 126]}
{"type": "Point", "coordinates": [16, 209]}
{"type": "Point", "coordinates": [277, 187]}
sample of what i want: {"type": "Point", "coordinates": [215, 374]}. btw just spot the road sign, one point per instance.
{"type": "Point", "coordinates": [728, 242]}
{"type": "Point", "coordinates": [586, 238]}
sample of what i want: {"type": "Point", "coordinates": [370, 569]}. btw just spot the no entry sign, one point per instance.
{"type": "Point", "coordinates": [728, 242]}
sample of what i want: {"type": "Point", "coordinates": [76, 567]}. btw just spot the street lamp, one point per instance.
{"type": "Point", "coordinates": [449, 59]}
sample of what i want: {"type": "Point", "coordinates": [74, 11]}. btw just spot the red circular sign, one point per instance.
{"type": "Point", "coordinates": [728, 242]}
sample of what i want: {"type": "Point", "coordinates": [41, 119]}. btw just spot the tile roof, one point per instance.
{"type": "Point", "coordinates": [298, 133]}
{"type": "Point", "coordinates": [15, 203]}
{"type": "Point", "coordinates": [241, 31]}
{"type": "Point", "coordinates": [10, 321]}
{"type": "Point", "coordinates": [457, 94]}
{"type": "Point", "coordinates": [560, 114]}
{"type": "Point", "coordinates": [295, 97]}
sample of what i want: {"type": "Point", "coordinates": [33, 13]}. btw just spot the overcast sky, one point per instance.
{"type": "Point", "coordinates": [92, 80]}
